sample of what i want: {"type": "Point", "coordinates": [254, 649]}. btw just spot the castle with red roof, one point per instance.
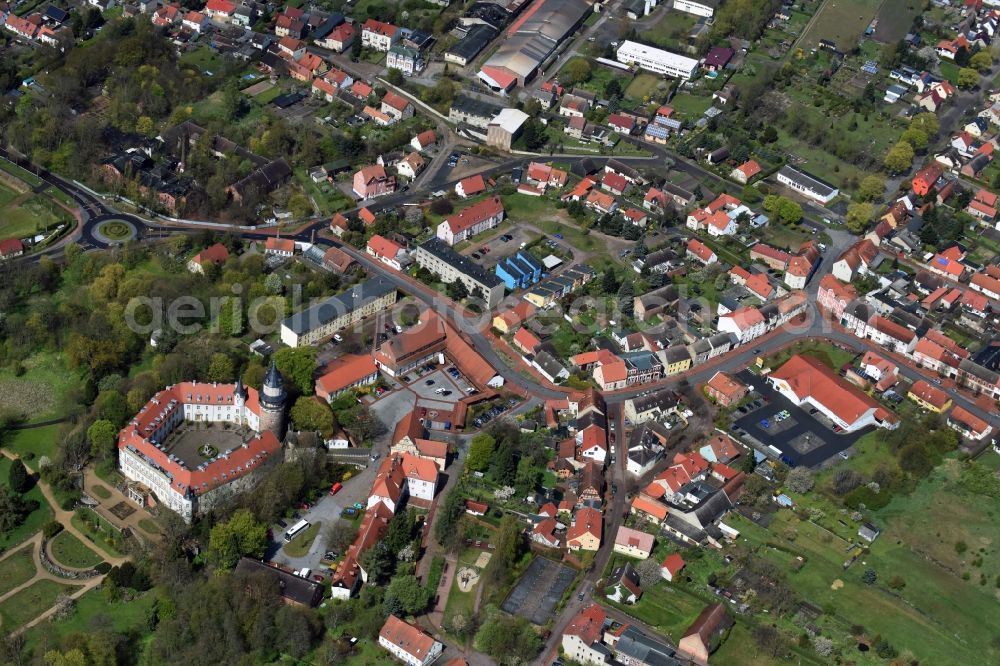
{"type": "Point", "coordinates": [162, 470]}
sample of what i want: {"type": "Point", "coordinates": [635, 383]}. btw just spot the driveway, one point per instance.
{"type": "Point", "coordinates": [802, 438]}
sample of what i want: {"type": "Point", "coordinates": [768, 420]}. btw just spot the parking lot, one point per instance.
{"type": "Point", "coordinates": [803, 438]}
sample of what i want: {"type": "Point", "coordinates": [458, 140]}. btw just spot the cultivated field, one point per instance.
{"type": "Point", "coordinates": [840, 21]}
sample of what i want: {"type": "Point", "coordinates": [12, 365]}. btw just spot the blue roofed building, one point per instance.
{"type": "Point", "coordinates": [511, 274]}
{"type": "Point", "coordinates": [531, 264]}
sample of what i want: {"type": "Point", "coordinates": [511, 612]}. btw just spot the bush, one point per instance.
{"type": "Point", "coordinates": [102, 568]}
{"type": "Point", "coordinates": [68, 503]}
{"type": "Point", "coordinates": [52, 528]}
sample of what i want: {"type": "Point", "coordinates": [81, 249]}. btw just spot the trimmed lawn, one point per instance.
{"type": "Point", "coordinates": [691, 106]}
{"type": "Point", "coordinates": [668, 609]}
{"type": "Point", "coordinates": [301, 544]}
{"type": "Point", "coordinates": [17, 569]}
{"type": "Point", "coordinates": [642, 87]}
{"type": "Point", "coordinates": [35, 519]}
{"type": "Point", "coordinates": [100, 491]}
{"type": "Point", "coordinates": [125, 617]}
{"type": "Point", "coordinates": [40, 441]}
{"type": "Point", "coordinates": [833, 356]}
{"type": "Point", "coordinates": [70, 551]}
{"type": "Point", "coordinates": [31, 602]}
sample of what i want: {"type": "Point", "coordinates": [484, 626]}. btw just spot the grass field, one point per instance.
{"type": "Point", "coordinates": [17, 569]}
{"type": "Point", "coordinates": [936, 615]}
{"type": "Point", "coordinates": [842, 22]}
{"type": "Point", "coordinates": [26, 214]}
{"type": "Point", "coordinates": [129, 617]}
{"type": "Point", "coordinates": [70, 551]}
{"type": "Point", "coordinates": [300, 545]}
{"type": "Point", "coordinates": [740, 649]}
{"type": "Point", "coordinates": [642, 87]}
{"type": "Point", "coordinates": [19, 173]}
{"type": "Point", "coordinates": [35, 519]}
{"type": "Point", "coordinates": [31, 602]}
{"type": "Point", "coordinates": [895, 18]}
{"type": "Point", "coordinates": [829, 354]}
{"type": "Point", "coordinates": [43, 391]}
{"type": "Point", "coordinates": [671, 31]}
{"type": "Point", "coordinates": [39, 441]}
{"type": "Point", "coordinates": [668, 609]}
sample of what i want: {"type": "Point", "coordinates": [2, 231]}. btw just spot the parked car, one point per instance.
{"type": "Point", "coordinates": [764, 423]}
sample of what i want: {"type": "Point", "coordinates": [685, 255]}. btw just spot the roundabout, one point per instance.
{"type": "Point", "coordinates": [115, 231]}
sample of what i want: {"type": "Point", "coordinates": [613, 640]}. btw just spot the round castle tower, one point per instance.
{"type": "Point", "coordinates": [272, 403]}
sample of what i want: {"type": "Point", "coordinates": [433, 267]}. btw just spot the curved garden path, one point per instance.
{"type": "Point", "coordinates": [64, 518]}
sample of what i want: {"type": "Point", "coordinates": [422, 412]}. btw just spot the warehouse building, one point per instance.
{"type": "Point", "coordinates": [656, 60]}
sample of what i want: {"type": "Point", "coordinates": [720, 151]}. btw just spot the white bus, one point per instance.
{"type": "Point", "coordinates": [295, 529]}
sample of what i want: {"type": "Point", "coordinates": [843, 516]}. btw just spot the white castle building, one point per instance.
{"type": "Point", "coordinates": [159, 475]}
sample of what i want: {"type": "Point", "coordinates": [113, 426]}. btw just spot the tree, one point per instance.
{"type": "Point", "coordinates": [395, 76]}
{"type": "Point", "coordinates": [858, 216]}
{"type": "Point", "coordinates": [221, 368]}
{"type": "Point", "coordinates": [450, 512]}
{"type": "Point", "coordinates": [927, 122]}
{"type": "Point", "coordinates": [310, 414]}
{"type": "Point", "coordinates": [577, 71]}
{"type": "Point", "coordinates": [899, 158]}
{"type": "Point", "coordinates": [533, 134]}
{"type": "Point", "coordinates": [297, 364]}
{"type": "Point", "coordinates": [273, 284]}
{"type": "Point", "coordinates": [103, 436]}
{"type": "Point", "coordinates": [800, 480]}
{"type": "Point", "coordinates": [240, 535]}
{"type": "Point", "coordinates": [871, 188]}
{"type": "Point", "coordinates": [869, 576]}
{"type": "Point", "coordinates": [982, 61]}
{"type": "Point", "coordinates": [442, 206]}
{"type": "Point", "coordinates": [480, 452]}
{"type": "Point", "coordinates": [507, 638]}
{"type": "Point", "coordinates": [649, 572]}
{"type": "Point", "coordinates": [405, 596]}
{"type": "Point", "coordinates": [916, 137]}
{"type": "Point", "coordinates": [786, 210]}
{"type": "Point", "coordinates": [968, 78]}
{"type": "Point", "coordinates": [299, 205]}
{"type": "Point", "coordinates": [338, 536]}
{"type": "Point", "coordinates": [457, 291]}
{"type": "Point", "coordinates": [13, 509]}
{"type": "Point", "coordinates": [613, 89]}
{"type": "Point", "coordinates": [18, 478]}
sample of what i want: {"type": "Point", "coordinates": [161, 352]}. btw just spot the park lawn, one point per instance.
{"type": "Point", "coordinates": [100, 491]}
{"type": "Point", "coordinates": [300, 545]}
{"type": "Point", "coordinates": [40, 441]}
{"type": "Point", "coordinates": [31, 602]}
{"type": "Point", "coordinates": [34, 520]}
{"type": "Point", "coordinates": [43, 391]}
{"type": "Point", "coordinates": [841, 22]}
{"type": "Point", "coordinates": [129, 617]}
{"type": "Point", "coordinates": [934, 616]}
{"type": "Point", "coordinates": [667, 608]}
{"type": "Point", "coordinates": [102, 540]}
{"type": "Point", "coordinates": [17, 569]}
{"type": "Point", "coordinates": [71, 552]}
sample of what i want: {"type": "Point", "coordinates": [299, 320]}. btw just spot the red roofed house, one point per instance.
{"type": "Point", "coordinates": [526, 341]}
{"type": "Point", "coordinates": [218, 254]}
{"type": "Point", "coordinates": [397, 106]}
{"type": "Point", "coordinates": [280, 247]}
{"type": "Point", "coordinates": [408, 643]}
{"type": "Point", "coordinates": [701, 252]}
{"type": "Point", "coordinates": [12, 247]}
{"type": "Point", "coordinates": [720, 449]}
{"type": "Point", "coordinates": [621, 123]}
{"type": "Point", "coordinates": [366, 216]}
{"type": "Point", "coordinates": [21, 26]}
{"type": "Point", "coordinates": [581, 640]}
{"type": "Point", "coordinates": [585, 531]}
{"type": "Point", "coordinates": [614, 183]}
{"type": "Point", "coordinates": [474, 508]}
{"type": "Point", "coordinates": [344, 373]}
{"type": "Point", "coordinates": [968, 424]}
{"type": "Point", "coordinates": [424, 140]}
{"type": "Point", "coordinates": [340, 38]}
{"type": "Point", "coordinates": [771, 256]}
{"type": "Point", "coordinates": [929, 397]}
{"type": "Point", "coordinates": [803, 379]}
{"type": "Point", "coordinates": [745, 172]}
{"type": "Point", "coordinates": [601, 202]}
{"type": "Point", "coordinates": [655, 511]}
{"type": "Point", "coordinates": [925, 179]}
{"type": "Point", "coordinates": [468, 222]}
{"type": "Point", "coordinates": [725, 390]}
{"type": "Point", "coordinates": [856, 260]}
{"type": "Point", "coordinates": [378, 35]}
{"type": "Point", "coordinates": [387, 251]}
{"type": "Point", "coordinates": [372, 181]}
{"type": "Point", "coordinates": [220, 9]}
{"type": "Point", "coordinates": [983, 206]}
{"type": "Point", "coordinates": [834, 296]}
{"type": "Point", "coordinates": [745, 323]}
{"type": "Point", "coordinates": [986, 285]}
{"type": "Point", "coordinates": [544, 533]}
{"type": "Point", "coordinates": [636, 217]}
{"type": "Point", "coordinates": [471, 186]}
{"type": "Point", "coordinates": [361, 90]}
{"type": "Point", "coordinates": [671, 566]}
{"type": "Point", "coordinates": [633, 543]}
{"type": "Point", "coordinates": [190, 485]}
{"type": "Point", "coordinates": [404, 477]}
{"type": "Point", "coordinates": [884, 372]}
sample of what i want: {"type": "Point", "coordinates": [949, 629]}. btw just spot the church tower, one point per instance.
{"type": "Point", "coordinates": [272, 403]}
